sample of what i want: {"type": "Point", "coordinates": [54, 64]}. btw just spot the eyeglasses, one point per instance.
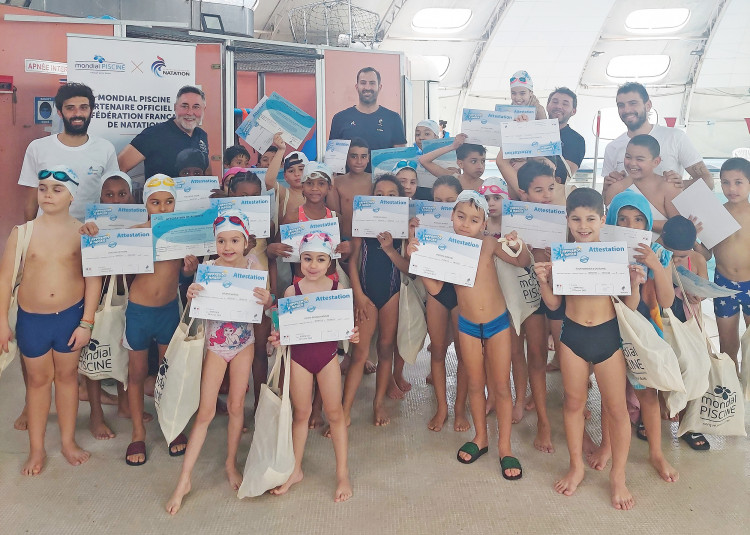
{"type": "Point", "coordinates": [492, 190]}
{"type": "Point", "coordinates": [521, 79]}
{"type": "Point", "coordinates": [154, 182]}
{"type": "Point", "coordinates": [233, 219]}
{"type": "Point", "coordinates": [411, 164]}
{"type": "Point", "coordinates": [61, 176]}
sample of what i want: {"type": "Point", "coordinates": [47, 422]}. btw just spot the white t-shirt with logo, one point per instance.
{"type": "Point", "coordinates": [90, 162]}
{"type": "Point", "coordinates": [677, 152]}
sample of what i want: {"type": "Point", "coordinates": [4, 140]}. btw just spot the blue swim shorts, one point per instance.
{"type": "Point", "coordinates": [144, 323]}
{"type": "Point", "coordinates": [37, 334]}
{"type": "Point", "coordinates": [725, 307]}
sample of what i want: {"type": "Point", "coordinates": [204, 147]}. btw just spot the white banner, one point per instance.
{"type": "Point", "coordinates": [134, 81]}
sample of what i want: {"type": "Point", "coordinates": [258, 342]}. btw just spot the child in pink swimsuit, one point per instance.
{"type": "Point", "coordinates": [317, 359]}
{"type": "Point", "coordinates": [229, 344]}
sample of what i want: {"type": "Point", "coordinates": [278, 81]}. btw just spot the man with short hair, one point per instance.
{"type": "Point", "coordinates": [158, 145]}
{"type": "Point", "coordinates": [677, 152]}
{"type": "Point", "coordinates": [89, 157]}
{"type": "Point", "coordinates": [380, 127]}
{"type": "Point", "coordinates": [561, 105]}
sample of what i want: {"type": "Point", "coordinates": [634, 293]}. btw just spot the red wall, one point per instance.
{"type": "Point", "coordinates": [210, 81]}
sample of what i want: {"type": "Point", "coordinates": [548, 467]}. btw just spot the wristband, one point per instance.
{"type": "Point", "coordinates": [86, 325]}
{"type": "Point", "coordinates": [273, 299]}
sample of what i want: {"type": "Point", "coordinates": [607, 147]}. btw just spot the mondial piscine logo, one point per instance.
{"type": "Point", "coordinates": [99, 64]}
{"type": "Point", "coordinates": [718, 405]}
{"type": "Point", "coordinates": [159, 68]}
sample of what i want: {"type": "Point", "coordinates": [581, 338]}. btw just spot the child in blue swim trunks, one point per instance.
{"type": "Point", "coordinates": [483, 330]}
{"type": "Point", "coordinates": [56, 306]}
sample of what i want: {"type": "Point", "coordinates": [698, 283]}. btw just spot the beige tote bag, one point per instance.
{"type": "Point", "coordinates": [22, 245]}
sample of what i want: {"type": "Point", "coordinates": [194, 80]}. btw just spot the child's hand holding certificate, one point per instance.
{"type": "Point", "coordinates": [446, 257]}
{"type": "Point", "coordinates": [316, 317]}
{"type": "Point", "coordinates": [539, 225]}
{"type": "Point", "coordinates": [193, 192]}
{"type": "Point", "coordinates": [375, 215]}
{"type": "Point", "coordinates": [179, 234]}
{"type": "Point", "coordinates": [228, 294]}
{"type": "Point", "coordinates": [118, 252]}
{"type": "Point", "coordinates": [597, 268]}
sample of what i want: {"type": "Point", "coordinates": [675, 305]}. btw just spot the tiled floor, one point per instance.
{"type": "Point", "coordinates": [406, 480]}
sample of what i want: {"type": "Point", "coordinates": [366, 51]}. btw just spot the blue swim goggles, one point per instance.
{"type": "Point", "coordinates": [61, 176]}
{"type": "Point", "coordinates": [411, 164]}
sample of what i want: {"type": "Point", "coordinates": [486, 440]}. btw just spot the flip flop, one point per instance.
{"type": "Point", "coordinates": [692, 440]}
{"type": "Point", "coordinates": [180, 440]}
{"type": "Point", "coordinates": [509, 463]}
{"type": "Point", "coordinates": [640, 431]}
{"type": "Point", "coordinates": [473, 450]}
{"type": "Point", "coordinates": [134, 449]}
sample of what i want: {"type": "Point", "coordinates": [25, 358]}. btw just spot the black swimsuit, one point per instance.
{"type": "Point", "coordinates": [593, 344]}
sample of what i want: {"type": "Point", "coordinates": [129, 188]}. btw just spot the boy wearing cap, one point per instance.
{"type": "Point", "coordinates": [56, 306]}
{"type": "Point", "coordinates": [427, 129]}
{"type": "Point", "coordinates": [522, 93]}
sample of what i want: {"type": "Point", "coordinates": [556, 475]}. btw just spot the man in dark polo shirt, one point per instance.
{"type": "Point", "coordinates": [380, 127]}
{"type": "Point", "coordinates": [158, 145]}
{"type": "Point", "coordinates": [561, 105]}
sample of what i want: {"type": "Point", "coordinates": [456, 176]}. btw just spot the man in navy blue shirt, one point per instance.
{"type": "Point", "coordinates": [561, 105]}
{"type": "Point", "coordinates": [380, 127]}
{"type": "Point", "coordinates": [158, 145]}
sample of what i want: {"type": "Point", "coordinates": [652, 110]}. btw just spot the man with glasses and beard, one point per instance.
{"type": "Point", "coordinates": [88, 156]}
{"type": "Point", "coordinates": [380, 127]}
{"type": "Point", "coordinates": [677, 152]}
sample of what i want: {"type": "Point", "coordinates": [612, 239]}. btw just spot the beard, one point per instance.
{"type": "Point", "coordinates": [640, 120]}
{"type": "Point", "coordinates": [368, 97]}
{"type": "Point", "coordinates": [76, 130]}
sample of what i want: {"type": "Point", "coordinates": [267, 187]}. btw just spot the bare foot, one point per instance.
{"type": "Point", "coordinates": [586, 414]}
{"type": "Point", "coordinates": [233, 475]}
{"type": "Point", "coordinates": [489, 406]}
{"type": "Point", "coordinates": [370, 367]}
{"type": "Point", "coordinates": [621, 497]}
{"type": "Point", "coordinates": [570, 481]}
{"type": "Point", "coordinates": [550, 343]}
{"type": "Point", "coordinates": [393, 391]}
{"type": "Point", "coordinates": [543, 440]}
{"type": "Point", "coordinates": [75, 455]}
{"type": "Point", "coordinates": [296, 477]}
{"type": "Point", "coordinates": [316, 419]}
{"type": "Point", "coordinates": [175, 502]}
{"type": "Point", "coordinates": [34, 464]}
{"type": "Point", "coordinates": [148, 386]}
{"type": "Point", "coordinates": [22, 422]}
{"type": "Point", "coordinates": [437, 421]}
{"type": "Point", "coordinates": [461, 422]}
{"type": "Point", "coordinates": [664, 469]}
{"type": "Point", "coordinates": [428, 379]}
{"type": "Point", "coordinates": [147, 416]}
{"type": "Point", "coordinates": [343, 489]}
{"type": "Point", "coordinates": [517, 414]}
{"type": "Point", "coordinates": [530, 405]}
{"type": "Point", "coordinates": [402, 383]}
{"type": "Point", "coordinates": [100, 430]}
{"type": "Point", "coordinates": [589, 446]}
{"type": "Point", "coordinates": [599, 458]}
{"type": "Point", "coordinates": [380, 416]}
{"type": "Point", "coordinates": [108, 399]}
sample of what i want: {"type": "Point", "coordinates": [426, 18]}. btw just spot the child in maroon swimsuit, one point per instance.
{"type": "Point", "coordinates": [317, 359]}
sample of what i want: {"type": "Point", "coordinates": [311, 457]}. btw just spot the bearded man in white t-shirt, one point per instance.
{"type": "Point", "coordinates": [677, 152]}
{"type": "Point", "coordinates": [89, 157]}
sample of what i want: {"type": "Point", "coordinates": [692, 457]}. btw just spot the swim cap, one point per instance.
{"type": "Point", "coordinates": [432, 125]}
{"type": "Point", "coordinates": [119, 174]}
{"type": "Point", "coordinates": [63, 175]}
{"type": "Point", "coordinates": [494, 185]}
{"type": "Point", "coordinates": [232, 220]}
{"type": "Point", "coordinates": [678, 233]}
{"type": "Point", "coordinates": [629, 198]}
{"type": "Point", "coordinates": [317, 170]}
{"type": "Point", "coordinates": [404, 164]}
{"type": "Point", "coordinates": [231, 172]}
{"type": "Point", "coordinates": [158, 182]}
{"type": "Point", "coordinates": [190, 158]}
{"type": "Point", "coordinates": [473, 197]}
{"type": "Point", "coordinates": [294, 158]}
{"type": "Point", "coordinates": [318, 242]}
{"type": "Point", "coordinates": [521, 79]}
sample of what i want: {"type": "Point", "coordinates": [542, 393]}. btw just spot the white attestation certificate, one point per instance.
{"type": "Point", "coordinates": [436, 215]}
{"type": "Point", "coordinates": [530, 138]}
{"type": "Point", "coordinates": [293, 233]}
{"type": "Point", "coordinates": [109, 216]}
{"type": "Point", "coordinates": [228, 294]}
{"type": "Point", "coordinates": [118, 251]}
{"type": "Point", "coordinates": [277, 114]}
{"type": "Point", "coordinates": [698, 286]}
{"type": "Point", "coordinates": [539, 225]}
{"type": "Point", "coordinates": [384, 160]}
{"type": "Point", "coordinates": [336, 153]}
{"type": "Point", "coordinates": [699, 201]}
{"type": "Point", "coordinates": [179, 234]}
{"type": "Point", "coordinates": [257, 209]}
{"type": "Point", "coordinates": [632, 236]}
{"type": "Point", "coordinates": [446, 257]}
{"type": "Point", "coordinates": [374, 215]}
{"type": "Point", "coordinates": [255, 135]}
{"type": "Point", "coordinates": [316, 317]}
{"type": "Point", "coordinates": [193, 192]}
{"type": "Point", "coordinates": [512, 112]}
{"type": "Point", "coordinates": [483, 126]}
{"type": "Point", "coordinates": [597, 268]}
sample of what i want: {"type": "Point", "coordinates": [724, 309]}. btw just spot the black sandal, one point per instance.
{"type": "Point", "coordinates": [692, 440]}
{"type": "Point", "coordinates": [640, 431]}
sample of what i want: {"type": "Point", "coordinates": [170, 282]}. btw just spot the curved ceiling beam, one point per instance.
{"type": "Point", "coordinates": [384, 26]}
